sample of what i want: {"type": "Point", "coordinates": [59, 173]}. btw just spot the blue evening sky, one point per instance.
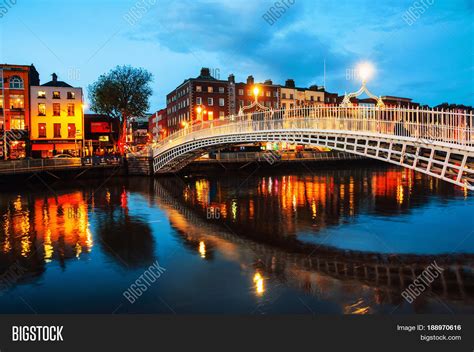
{"type": "Point", "coordinates": [430, 60]}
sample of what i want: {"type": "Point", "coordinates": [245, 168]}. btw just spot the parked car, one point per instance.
{"type": "Point", "coordinates": [62, 156]}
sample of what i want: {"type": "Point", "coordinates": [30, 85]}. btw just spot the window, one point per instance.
{"type": "Point", "coordinates": [210, 101]}
{"type": "Point", "coordinates": [275, 94]}
{"type": "Point", "coordinates": [210, 115]}
{"type": "Point", "coordinates": [241, 92]}
{"type": "Point", "coordinates": [16, 83]}
{"type": "Point", "coordinates": [71, 130]}
{"type": "Point", "coordinates": [70, 110]}
{"type": "Point", "coordinates": [221, 115]}
{"type": "Point", "coordinates": [283, 95]}
{"type": "Point", "coordinates": [41, 130]}
{"type": "Point", "coordinates": [291, 96]}
{"type": "Point", "coordinates": [269, 93]}
{"type": "Point", "coordinates": [210, 89]}
{"type": "Point", "coordinates": [56, 95]}
{"type": "Point", "coordinates": [198, 89]}
{"type": "Point", "coordinates": [312, 98]}
{"type": "Point", "coordinates": [241, 103]}
{"type": "Point", "coordinates": [57, 130]}
{"type": "Point", "coordinates": [221, 101]}
{"type": "Point", "coordinates": [198, 100]}
{"type": "Point", "coordinates": [17, 101]}
{"type": "Point", "coordinates": [221, 89]}
{"type": "Point", "coordinates": [249, 93]}
{"type": "Point", "coordinates": [41, 94]}
{"type": "Point", "coordinates": [319, 98]}
{"type": "Point", "coordinates": [1, 101]}
{"type": "Point", "coordinates": [56, 109]}
{"type": "Point", "coordinates": [17, 122]}
{"type": "Point", "coordinates": [41, 109]}
{"type": "Point", "coordinates": [71, 95]}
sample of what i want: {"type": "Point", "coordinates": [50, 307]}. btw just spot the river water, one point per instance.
{"type": "Point", "coordinates": [319, 241]}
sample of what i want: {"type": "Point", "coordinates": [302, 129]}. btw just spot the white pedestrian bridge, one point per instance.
{"type": "Point", "coordinates": [436, 143]}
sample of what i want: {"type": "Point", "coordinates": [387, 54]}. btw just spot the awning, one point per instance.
{"type": "Point", "coordinates": [67, 146]}
{"type": "Point", "coordinates": [42, 147]}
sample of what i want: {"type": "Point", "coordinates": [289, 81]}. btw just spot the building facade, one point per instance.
{"type": "Point", "coordinates": [293, 97]}
{"type": "Point", "coordinates": [56, 119]}
{"type": "Point", "coordinates": [197, 99]}
{"type": "Point", "coordinates": [101, 134]}
{"type": "Point", "coordinates": [157, 125]}
{"type": "Point", "coordinates": [15, 109]}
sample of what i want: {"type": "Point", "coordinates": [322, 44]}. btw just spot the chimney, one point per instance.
{"type": "Point", "coordinates": [55, 77]}
{"type": "Point", "coordinates": [250, 80]}
{"type": "Point", "coordinates": [205, 71]}
{"type": "Point", "coordinates": [290, 83]}
{"type": "Point", "coordinates": [231, 78]}
{"type": "Point", "coordinates": [268, 82]}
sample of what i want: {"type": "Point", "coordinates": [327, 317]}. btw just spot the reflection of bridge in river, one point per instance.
{"type": "Point", "coordinates": [316, 269]}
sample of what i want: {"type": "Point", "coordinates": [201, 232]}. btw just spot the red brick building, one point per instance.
{"type": "Point", "coordinates": [15, 108]}
{"type": "Point", "coordinates": [158, 125]}
{"type": "Point", "coordinates": [206, 92]}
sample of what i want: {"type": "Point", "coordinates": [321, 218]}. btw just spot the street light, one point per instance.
{"type": "Point", "coordinates": [256, 91]}
{"type": "Point", "coordinates": [365, 70]}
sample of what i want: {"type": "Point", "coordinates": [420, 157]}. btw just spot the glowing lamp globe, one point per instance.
{"type": "Point", "coordinates": [365, 70]}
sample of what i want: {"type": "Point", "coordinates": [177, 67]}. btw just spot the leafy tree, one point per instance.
{"type": "Point", "coordinates": [122, 93]}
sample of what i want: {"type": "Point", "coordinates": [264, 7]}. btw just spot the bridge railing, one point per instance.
{"type": "Point", "coordinates": [428, 126]}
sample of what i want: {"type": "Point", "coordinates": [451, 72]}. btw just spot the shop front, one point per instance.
{"type": "Point", "coordinates": [50, 149]}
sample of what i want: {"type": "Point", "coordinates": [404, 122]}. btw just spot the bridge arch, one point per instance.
{"type": "Point", "coordinates": [444, 151]}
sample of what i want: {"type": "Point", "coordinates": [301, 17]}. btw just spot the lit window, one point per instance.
{"type": "Point", "coordinates": [17, 122]}
{"type": "Point", "coordinates": [56, 109]}
{"type": "Point", "coordinates": [268, 93]}
{"type": "Point", "coordinates": [210, 101]}
{"type": "Point", "coordinates": [16, 83]}
{"type": "Point", "coordinates": [57, 130]}
{"type": "Point", "coordinates": [210, 115]}
{"type": "Point", "coordinates": [17, 101]}
{"type": "Point", "coordinates": [221, 115]}
{"type": "Point", "coordinates": [71, 130]}
{"type": "Point", "coordinates": [221, 101]}
{"type": "Point", "coordinates": [210, 89]}
{"type": "Point", "coordinates": [198, 89]}
{"type": "Point", "coordinates": [70, 110]}
{"type": "Point", "coordinates": [41, 130]}
{"type": "Point", "coordinates": [41, 109]}
{"type": "Point", "coordinates": [41, 94]}
{"type": "Point", "coordinates": [56, 95]}
{"type": "Point", "coordinates": [1, 101]}
{"type": "Point", "coordinates": [241, 92]}
{"type": "Point", "coordinates": [71, 95]}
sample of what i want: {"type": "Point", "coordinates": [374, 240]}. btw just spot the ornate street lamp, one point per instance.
{"type": "Point", "coordinates": [255, 104]}
{"type": "Point", "coordinates": [365, 70]}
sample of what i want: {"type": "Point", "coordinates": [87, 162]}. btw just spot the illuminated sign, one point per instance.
{"type": "Point", "coordinates": [100, 127]}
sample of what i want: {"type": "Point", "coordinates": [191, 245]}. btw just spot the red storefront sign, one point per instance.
{"type": "Point", "coordinates": [100, 127]}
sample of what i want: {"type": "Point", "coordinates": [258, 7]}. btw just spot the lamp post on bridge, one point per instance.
{"type": "Point", "coordinates": [364, 70]}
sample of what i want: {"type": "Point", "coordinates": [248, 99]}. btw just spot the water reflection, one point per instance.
{"type": "Point", "coordinates": [270, 212]}
{"type": "Point", "coordinates": [234, 243]}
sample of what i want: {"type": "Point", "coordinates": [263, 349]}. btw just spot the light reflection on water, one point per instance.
{"type": "Point", "coordinates": [328, 241]}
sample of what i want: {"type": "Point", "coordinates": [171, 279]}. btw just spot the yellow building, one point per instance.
{"type": "Point", "coordinates": [57, 120]}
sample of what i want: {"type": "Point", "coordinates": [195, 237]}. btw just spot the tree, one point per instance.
{"type": "Point", "coordinates": [122, 93]}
